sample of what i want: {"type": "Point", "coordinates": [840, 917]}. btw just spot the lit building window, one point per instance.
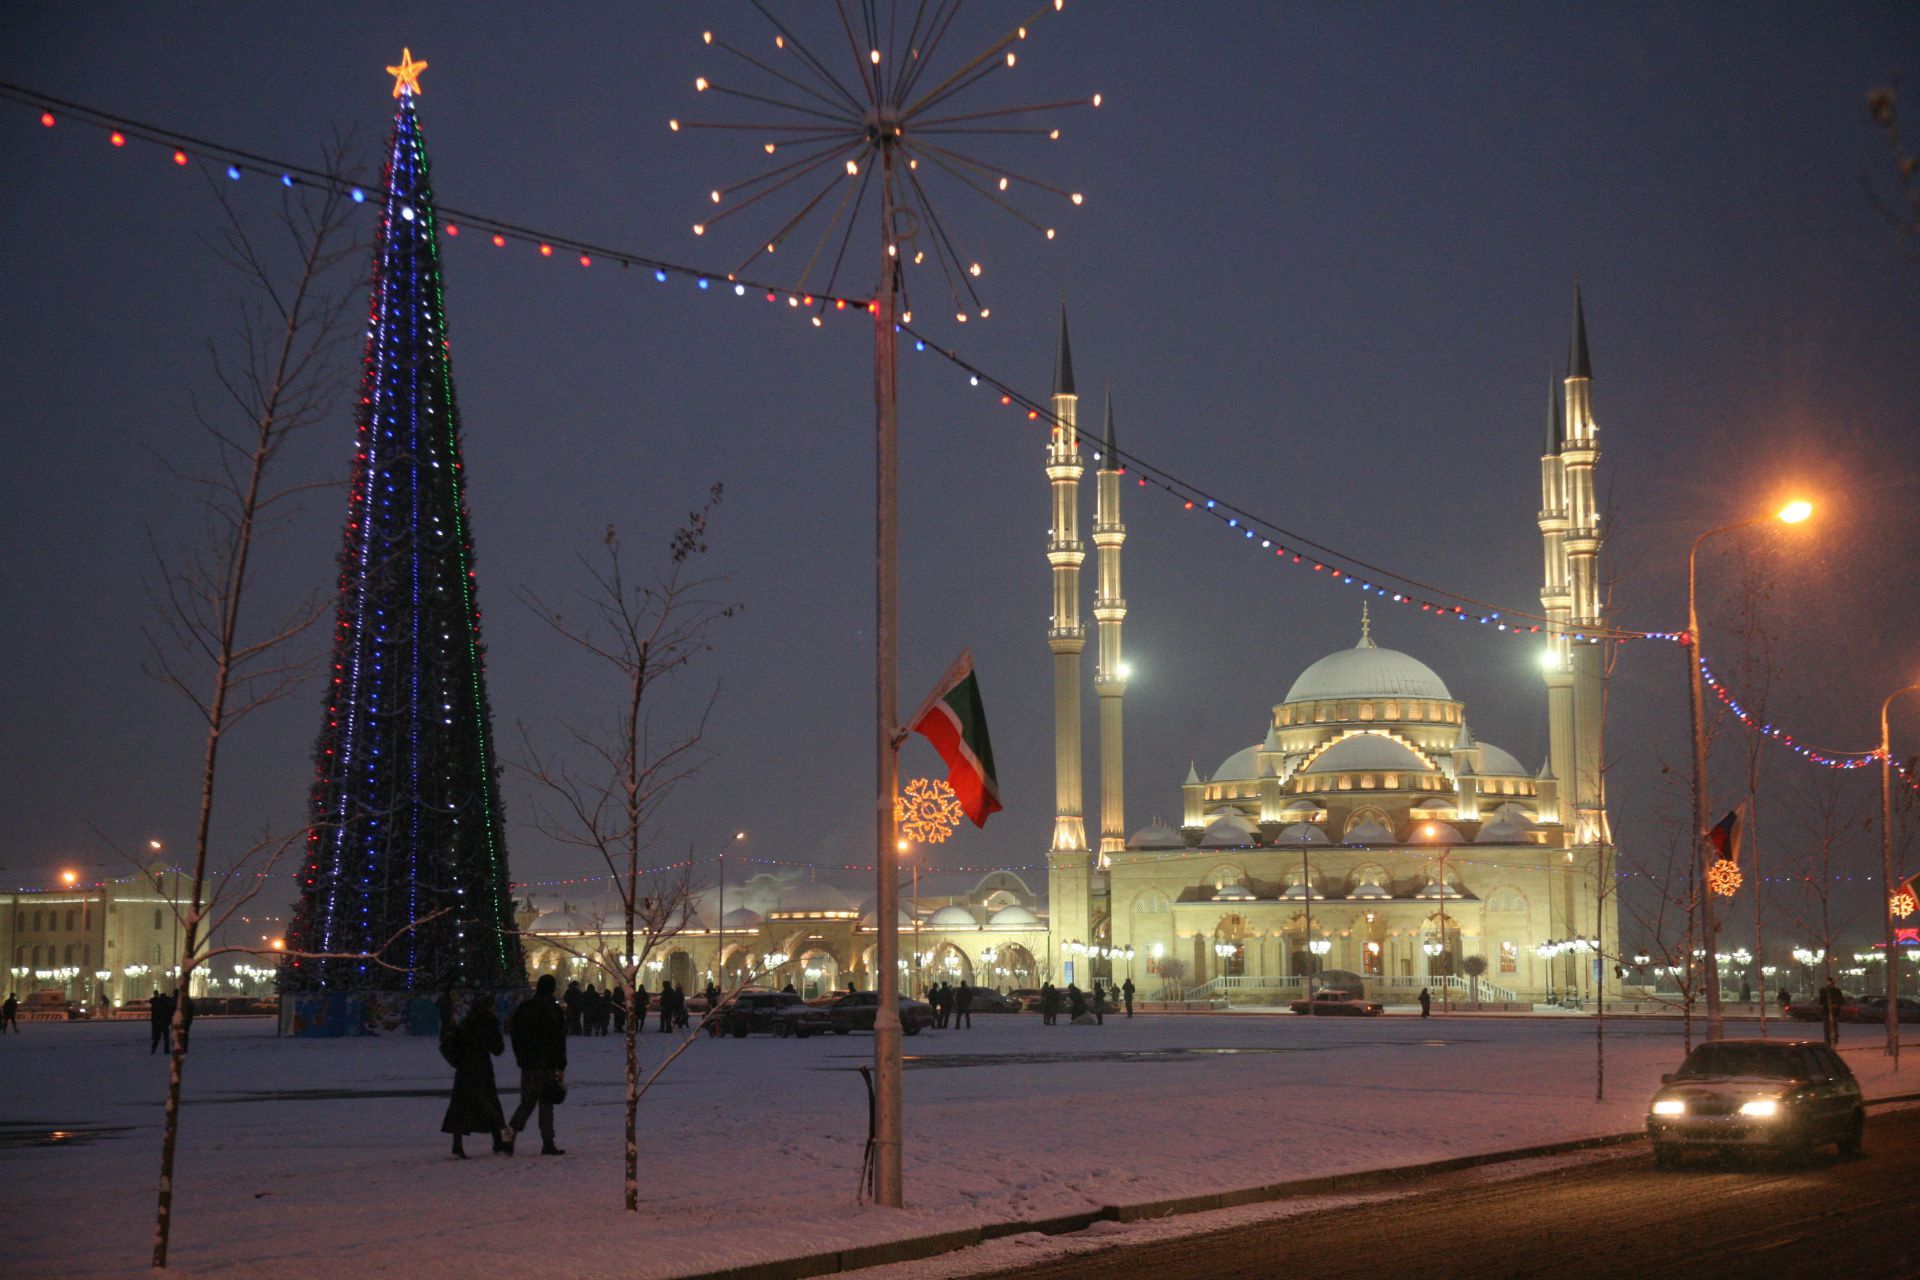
{"type": "Point", "coordinates": [1366, 711]}
{"type": "Point", "coordinates": [1320, 715]}
{"type": "Point", "coordinates": [1366, 782]}
{"type": "Point", "coordinates": [1391, 782]}
{"type": "Point", "coordinates": [1393, 711]}
{"type": "Point", "coordinates": [1346, 782]}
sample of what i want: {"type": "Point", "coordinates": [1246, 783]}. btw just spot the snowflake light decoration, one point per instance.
{"type": "Point", "coordinates": [927, 811]}
{"type": "Point", "coordinates": [1724, 877]}
{"type": "Point", "coordinates": [1903, 903]}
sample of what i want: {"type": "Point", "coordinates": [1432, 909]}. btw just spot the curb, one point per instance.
{"type": "Point", "coordinates": [915, 1248]}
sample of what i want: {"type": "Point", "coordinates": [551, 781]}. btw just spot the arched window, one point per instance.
{"type": "Point", "coordinates": [1367, 781]}
{"type": "Point", "coordinates": [1391, 782]}
{"type": "Point", "coordinates": [86, 955]}
{"type": "Point", "coordinates": [1366, 711]}
{"type": "Point", "coordinates": [69, 959]}
{"type": "Point", "coordinates": [1393, 711]}
{"type": "Point", "coordinates": [1433, 711]}
{"type": "Point", "coordinates": [1320, 714]}
{"type": "Point", "coordinates": [37, 925]}
{"type": "Point", "coordinates": [72, 917]}
{"type": "Point", "coordinates": [156, 918]}
{"type": "Point", "coordinates": [1346, 782]}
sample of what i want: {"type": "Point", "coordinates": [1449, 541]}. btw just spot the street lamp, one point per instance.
{"type": "Point", "coordinates": [1793, 513]}
{"type": "Point", "coordinates": [1886, 871]}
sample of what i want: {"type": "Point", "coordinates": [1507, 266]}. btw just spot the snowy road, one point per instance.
{"type": "Point", "coordinates": [324, 1157]}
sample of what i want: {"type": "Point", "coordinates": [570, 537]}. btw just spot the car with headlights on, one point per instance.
{"type": "Point", "coordinates": [1787, 1096]}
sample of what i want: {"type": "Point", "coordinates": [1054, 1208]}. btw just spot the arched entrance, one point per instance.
{"type": "Point", "coordinates": [819, 973]}
{"type": "Point", "coordinates": [1230, 947]}
{"type": "Point", "coordinates": [679, 970]}
{"type": "Point", "coordinates": [1009, 966]}
{"type": "Point", "coordinates": [950, 964]}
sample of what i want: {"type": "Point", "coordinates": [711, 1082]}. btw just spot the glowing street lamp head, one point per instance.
{"type": "Point", "coordinates": [1124, 671]}
{"type": "Point", "coordinates": [1796, 511]}
{"type": "Point", "coordinates": [69, 877]}
{"type": "Point", "coordinates": [1549, 660]}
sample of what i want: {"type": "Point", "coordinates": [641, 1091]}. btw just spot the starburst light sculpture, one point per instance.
{"type": "Point", "coordinates": [927, 811]}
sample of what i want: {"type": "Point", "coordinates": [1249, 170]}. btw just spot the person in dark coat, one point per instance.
{"type": "Point", "coordinates": [679, 1007]}
{"type": "Point", "coordinates": [1426, 1003]}
{"type": "Point", "coordinates": [1830, 1002]}
{"type": "Point", "coordinates": [942, 1001]}
{"type": "Point", "coordinates": [1099, 1005]}
{"type": "Point", "coordinates": [1126, 994]}
{"type": "Point", "coordinates": [963, 1005]}
{"type": "Point", "coordinates": [713, 997]}
{"type": "Point", "coordinates": [575, 1009]}
{"type": "Point", "coordinates": [538, 1029]}
{"type": "Point", "coordinates": [619, 1003]}
{"type": "Point", "coordinates": [641, 999]}
{"type": "Point", "coordinates": [1049, 1004]}
{"type": "Point", "coordinates": [789, 988]}
{"type": "Point", "coordinates": [10, 1013]}
{"type": "Point", "coordinates": [666, 1007]}
{"type": "Point", "coordinates": [160, 1016]}
{"type": "Point", "coordinates": [1076, 1003]}
{"type": "Point", "coordinates": [474, 1106]}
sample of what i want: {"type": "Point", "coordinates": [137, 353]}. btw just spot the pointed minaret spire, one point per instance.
{"type": "Point", "coordinates": [1578, 364]}
{"type": "Point", "coordinates": [1110, 671]}
{"type": "Point", "coordinates": [1063, 360]}
{"type": "Point", "coordinates": [1366, 628]}
{"type": "Point", "coordinates": [1106, 441]}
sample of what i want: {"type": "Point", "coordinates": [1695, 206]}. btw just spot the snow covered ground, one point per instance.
{"type": "Point", "coordinates": [324, 1158]}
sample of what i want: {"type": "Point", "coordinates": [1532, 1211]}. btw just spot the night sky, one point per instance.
{"type": "Point", "coordinates": [1327, 262]}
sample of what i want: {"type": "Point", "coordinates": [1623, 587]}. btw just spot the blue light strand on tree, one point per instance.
{"type": "Point", "coordinates": [405, 823]}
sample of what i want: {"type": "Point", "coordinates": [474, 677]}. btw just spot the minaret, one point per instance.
{"type": "Point", "coordinates": [1069, 862]}
{"type": "Point", "coordinates": [1110, 672]}
{"type": "Point", "coordinates": [1557, 604]}
{"type": "Point", "coordinates": [1578, 454]}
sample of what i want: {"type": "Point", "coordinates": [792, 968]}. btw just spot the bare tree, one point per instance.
{"type": "Point", "coordinates": [278, 375]}
{"type": "Point", "coordinates": [1903, 212]}
{"type": "Point", "coordinates": [1829, 817]}
{"type": "Point", "coordinates": [608, 800]}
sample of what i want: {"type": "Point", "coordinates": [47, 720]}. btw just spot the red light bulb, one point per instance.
{"type": "Point", "coordinates": [499, 241]}
{"type": "Point", "coordinates": [179, 157]}
{"type": "Point", "coordinates": [452, 230]}
{"type": "Point", "coordinates": [117, 138]}
{"type": "Point", "coordinates": [546, 251]}
{"type": "Point", "coordinates": [46, 118]}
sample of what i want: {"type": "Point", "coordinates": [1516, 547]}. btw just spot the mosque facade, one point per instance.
{"type": "Point", "coordinates": [1366, 837]}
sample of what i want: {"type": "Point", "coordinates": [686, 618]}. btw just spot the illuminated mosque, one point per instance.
{"type": "Point", "coordinates": [1365, 833]}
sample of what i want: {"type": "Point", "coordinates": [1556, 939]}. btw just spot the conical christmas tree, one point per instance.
{"type": "Point", "coordinates": [405, 824]}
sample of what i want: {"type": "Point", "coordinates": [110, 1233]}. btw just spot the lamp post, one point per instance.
{"type": "Point", "coordinates": [1886, 871]}
{"type": "Point", "coordinates": [1792, 513]}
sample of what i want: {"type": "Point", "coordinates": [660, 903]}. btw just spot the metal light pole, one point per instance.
{"type": "Point", "coordinates": [888, 1118]}
{"type": "Point", "coordinates": [1792, 513]}
{"type": "Point", "coordinates": [1306, 938]}
{"type": "Point", "coordinates": [1886, 871]}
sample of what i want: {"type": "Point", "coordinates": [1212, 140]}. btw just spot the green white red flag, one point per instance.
{"type": "Point", "coordinates": [954, 721]}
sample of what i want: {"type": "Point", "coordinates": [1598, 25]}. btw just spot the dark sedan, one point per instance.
{"type": "Point", "coordinates": [1874, 1009]}
{"type": "Point", "coordinates": [780, 1012]}
{"type": "Point", "coordinates": [1337, 1004]}
{"type": "Point", "coordinates": [856, 1010]}
{"type": "Point", "coordinates": [1781, 1095]}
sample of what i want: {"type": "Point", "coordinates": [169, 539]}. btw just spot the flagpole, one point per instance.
{"type": "Point", "coordinates": [888, 1119]}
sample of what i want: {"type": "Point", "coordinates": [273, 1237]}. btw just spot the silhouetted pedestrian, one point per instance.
{"type": "Point", "coordinates": [538, 1029]}
{"type": "Point", "coordinates": [1049, 1004]}
{"type": "Point", "coordinates": [159, 1018]}
{"type": "Point", "coordinates": [619, 1003]}
{"type": "Point", "coordinates": [575, 1009]}
{"type": "Point", "coordinates": [474, 1106]}
{"type": "Point", "coordinates": [1126, 994]}
{"type": "Point", "coordinates": [963, 1005]}
{"type": "Point", "coordinates": [10, 1013]}
{"type": "Point", "coordinates": [1099, 1005]}
{"type": "Point", "coordinates": [1426, 1003]}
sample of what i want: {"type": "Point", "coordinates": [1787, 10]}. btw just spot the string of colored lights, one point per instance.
{"type": "Point", "coordinates": [1288, 546]}
{"type": "Point", "coordinates": [1773, 733]}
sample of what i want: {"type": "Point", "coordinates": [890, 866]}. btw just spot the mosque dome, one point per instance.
{"type": "Point", "coordinates": [1501, 831]}
{"type": "Point", "coordinates": [1368, 671]}
{"type": "Point", "coordinates": [1500, 763]}
{"type": "Point", "coordinates": [1157, 835]}
{"type": "Point", "coordinates": [952, 917]}
{"type": "Point", "coordinates": [1303, 833]}
{"type": "Point", "coordinates": [1241, 764]}
{"type": "Point", "coordinates": [1014, 917]}
{"type": "Point", "coordinates": [1368, 751]}
{"type": "Point", "coordinates": [1227, 833]}
{"type": "Point", "coordinates": [742, 918]}
{"type": "Point", "coordinates": [1437, 833]}
{"type": "Point", "coordinates": [810, 897]}
{"type": "Point", "coordinates": [1369, 833]}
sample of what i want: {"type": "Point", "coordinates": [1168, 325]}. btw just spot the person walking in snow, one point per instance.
{"type": "Point", "coordinates": [159, 1017]}
{"type": "Point", "coordinates": [538, 1029]}
{"type": "Point", "coordinates": [666, 1007]}
{"type": "Point", "coordinates": [1049, 1004]}
{"type": "Point", "coordinates": [640, 1001]}
{"type": "Point", "coordinates": [963, 1006]}
{"type": "Point", "coordinates": [474, 1106]}
{"type": "Point", "coordinates": [574, 1005]}
{"type": "Point", "coordinates": [1426, 1003]}
{"type": "Point", "coordinates": [10, 1013]}
{"type": "Point", "coordinates": [1126, 994]}
{"type": "Point", "coordinates": [1076, 1002]}
{"type": "Point", "coordinates": [680, 1007]}
{"type": "Point", "coordinates": [619, 1003]}
{"type": "Point", "coordinates": [1099, 1005]}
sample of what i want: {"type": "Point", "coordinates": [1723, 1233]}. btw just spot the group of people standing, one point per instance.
{"type": "Point", "coordinates": [160, 1010]}
{"type": "Point", "coordinates": [951, 1004]}
{"type": "Point", "coordinates": [1082, 1010]}
{"type": "Point", "coordinates": [593, 1012]}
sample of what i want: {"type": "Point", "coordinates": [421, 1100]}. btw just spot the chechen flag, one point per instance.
{"type": "Point", "coordinates": [953, 720]}
{"type": "Point", "coordinates": [1725, 836]}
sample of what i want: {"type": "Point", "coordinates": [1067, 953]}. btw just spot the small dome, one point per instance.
{"type": "Point", "coordinates": [1015, 917]}
{"type": "Point", "coordinates": [1233, 893]}
{"type": "Point", "coordinates": [1369, 892]}
{"type": "Point", "coordinates": [1158, 835]}
{"type": "Point", "coordinates": [954, 917]}
{"type": "Point", "coordinates": [1437, 833]}
{"type": "Point", "coordinates": [1368, 751]}
{"type": "Point", "coordinates": [1227, 833]}
{"type": "Point", "coordinates": [1300, 806]}
{"type": "Point", "coordinates": [1434, 804]}
{"type": "Point", "coordinates": [742, 918]}
{"type": "Point", "coordinates": [1368, 833]}
{"type": "Point", "coordinates": [1367, 671]}
{"type": "Point", "coordinates": [870, 919]}
{"type": "Point", "coordinates": [1514, 814]}
{"type": "Point", "coordinates": [1499, 763]}
{"type": "Point", "coordinates": [810, 897]}
{"type": "Point", "coordinates": [1438, 889]}
{"type": "Point", "coordinates": [1303, 833]}
{"type": "Point", "coordinates": [1239, 766]}
{"type": "Point", "coordinates": [1501, 831]}
{"type": "Point", "coordinates": [1297, 891]}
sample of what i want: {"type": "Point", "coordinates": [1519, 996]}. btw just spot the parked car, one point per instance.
{"type": "Point", "coordinates": [856, 1010]}
{"type": "Point", "coordinates": [1811, 1010]}
{"type": "Point", "coordinates": [1787, 1096]}
{"type": "Point", "coordinates": [1338, 1003]}
{"type": "Point", "coordinates": [781, 1012]}
{"type": "Point", "coordinates": [1874, 1009]}
{"type": "Point", "coordinates": [987, 1000]}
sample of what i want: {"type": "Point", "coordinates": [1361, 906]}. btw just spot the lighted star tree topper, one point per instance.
{"type": "Point", "coordinates": [829, 132]}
